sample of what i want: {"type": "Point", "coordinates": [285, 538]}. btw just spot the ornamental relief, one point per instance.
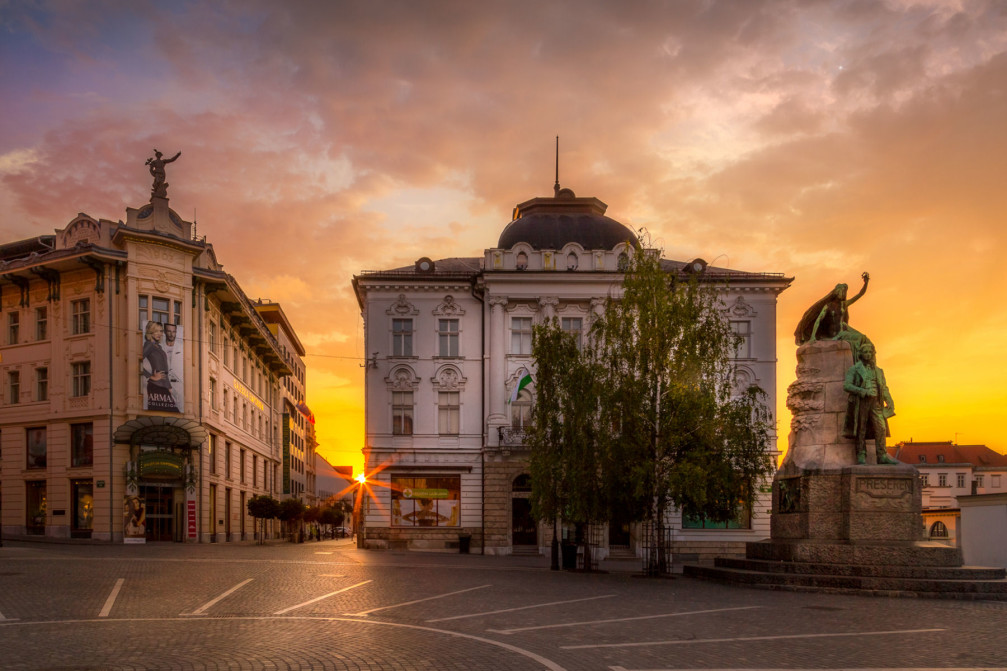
{"type": "Point", "coordinates": [741, 308]}
{"type": "Point", "coordinates": [402, 307]}
{"type": "Point", "coordinates": [402, 379]}
{"type": "Point", "coordinates": [448, 378]}
{"type": "Point", "coordinates": [449, 308]}
{"type": "Point", "coordinates": [160, 255]}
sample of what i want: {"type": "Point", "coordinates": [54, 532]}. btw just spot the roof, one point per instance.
{"type": "Point", "coordinates": [553, 223]}
{"type": "Point", "coordinates": [947, 453]}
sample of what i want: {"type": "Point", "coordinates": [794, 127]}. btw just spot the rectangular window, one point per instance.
{"type": "Point", "coordinates": [81, 372]}
{"type": "Point", "coordinates": [35, 438]}
{"type": "Point", "coordinates": [520, 335]}
{"type": "Point", "coordinates": [41, 384]}
{"type": "Point", "coordinates": [960, 479]}
{"type": "Point", "coordinates": [143, 310]}
{"type": "Point", "coordinates": [743, 520]}
{"type": "Point", "coordinates": [213, 337]}
{"type": "Point", "coordinates": [234, 414]}
{"type": "Point", "coordinates": [942, 479]}
{"type": "Point", "coordinates": [82, 444]}
{"type": "Point", "coordinates": [426, 501]}
{"type": "Point", "coordinates": [447, 337]}
{"type": "Point", "coordinates": [744, 331]}
{"type": "Point", "coordinates": [402, 337]}
{"type": "Point", "coordinates": [211, 454]}
{"type": "Point", "coordinates": [82, 513]}
{"type": "Point", "coordinates": [160, 307]}
{"type": "Point", "coordinates": [241, 466]}
{"type": "Point", "coordinates": [13, 328]}
{"type": "Point", "coordinates": [80, 316]}
{"type": "Point", "coordinates": [402, 413]}
{"type": "Point", "coordinates": [995, 481]}
{"type": "Point", "coordinates": [178, 312]}
{"type": "Point", "coordinates": [13, 387]}
{"type": "Point", "coordinates": [448, 411]}
{"type": "Point", "coordinates": [213, 394]}
{"type": "Point", "coordinates": [255, 470]}
{"type": "Point", "coordinates": [520, 410]}
{"type": "Point", "coordinates": [926, 479]}
{"type": "Point", "coordinates": [42, 323]}
{"type": "Point", "coordinates": [574, 326]}
{"type": "Point", "coordinates": [35, 506]}
{"type": "Point", "coordinates": [979, 481]}
{"type": "Point", "coordinates": [227, 459]}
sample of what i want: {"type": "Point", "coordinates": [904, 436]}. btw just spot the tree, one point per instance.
{"type": "Point", "coordinates": [262, 508]}
{"type": "Point", "coordinates": [332, 517]}
{"type": "Point", "coordinates": [646, 416]}
{"type": "Point", "coordinates": [291, 510]}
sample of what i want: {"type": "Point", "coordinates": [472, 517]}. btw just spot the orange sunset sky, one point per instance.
{"type": "Point", "coordinates": [319, 139]}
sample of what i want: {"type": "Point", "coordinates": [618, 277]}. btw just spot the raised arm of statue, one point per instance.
{"type": "Point", "coordinates": [169, 160]}
{"type": "Point", "coordinates": [863, 290]}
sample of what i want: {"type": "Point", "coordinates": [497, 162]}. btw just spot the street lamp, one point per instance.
{"type": "Point", "coordinates": [358, 509]}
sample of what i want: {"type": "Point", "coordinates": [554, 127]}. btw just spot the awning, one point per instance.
{"type": "Point", "coordinates": [165, 431]}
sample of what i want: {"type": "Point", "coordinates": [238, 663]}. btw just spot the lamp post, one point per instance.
{"type": "Point", "coordinates": [358, 510]}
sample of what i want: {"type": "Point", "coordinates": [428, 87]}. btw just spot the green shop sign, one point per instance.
{"type": "Point", "coordinates": [160, 465]}
{"type": "Point", "coordinates": [413, 493]}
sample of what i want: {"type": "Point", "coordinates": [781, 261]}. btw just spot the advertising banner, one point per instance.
{"type": "Point", "coordinates": [134, 519]}
{"type": "Point", "coordinates": [162, 380]}
{"type": "Point", "coordinates": [191, 518]}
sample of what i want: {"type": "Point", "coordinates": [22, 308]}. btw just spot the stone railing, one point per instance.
{"type": "Point", "coordinates": [511, 436]}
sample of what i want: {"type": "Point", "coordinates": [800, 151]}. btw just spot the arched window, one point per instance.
{"type": "Point", "coordinates": [623, 264]}
{"type": "Point", "coordinates": [571, 261]}
{"type": "Point", "coordinates": [938, 530]}
{"type": "Point", "coordinates": [520, 410]}
{"type": "Point", "coordinates": [522, 261]}
{"type": "Point", "coordinates": [522, 483]}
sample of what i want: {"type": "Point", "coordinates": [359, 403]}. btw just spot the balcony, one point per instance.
{"type": "Point", "coordinates": [511, 436]}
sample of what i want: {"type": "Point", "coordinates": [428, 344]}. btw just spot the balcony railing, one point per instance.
{"type": "Point", "coordinates": [512, 436]}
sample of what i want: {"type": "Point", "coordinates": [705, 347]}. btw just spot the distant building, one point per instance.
{"type": "Point", "coordinates": [448, 346]}
{"type": "Point", "coordinates": [949, 471]}
{"type": "Point", "coordinates": [298, 423]}
{"type": "Point", "coordinates": [334, 481]}
{"type": "Point", "coordinates": [141, 387]}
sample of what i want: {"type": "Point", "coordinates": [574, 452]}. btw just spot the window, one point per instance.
{"type": "Point", "coordinates": [178, 312]}
{"type": "Point", "coordinates": [942, 479]}
{"type": "Point", "coordinates": [82, 444]}
{"type": "Point", "coordinates": [159, 309]}
{"type": "Point", "coordinates": [35, 438]}
{"type": "Point", "coordinates": [81, 372]}
{"type": "Point", "coordinates": [447, 337]}
{"type": "Point", "coordinates": [80, 316]}
{"type": "Point", "coordinates": [940, 458]}
{"type": "Point", "coordinates": [520, 335]}
{"type": "Point", "coordinates": [623, 263]}
{"type": "Point", "coordinates": [234, 417]}
{"type": "Point", "coordinates": [402, 413]}
{"type": "Point", "coordinates": [573, 326]}
{"type": "Point", "coordinates": [211, 454]}
{"type": "Point", "coordinates": [960, 479]}
{"type": "Point", "coordinates": [744, 331]}
{"type": "Point", "coordinates": [938, 530]}
{"type": "Point", "coordinates": [926, 479]}
{"type": "Point", "coordinates": [571, 261]}
{"type": "Point", "coordinates": [995, 481]}
{"type": "Point", "coordinates": [521, 262]}
{"type": "Point", "coordinates": [213, 337]}
{"type": "Point", "coordinates": [143, 307]}
{"type": "Point", "coordinates": [979, 480]}
{"type": "Point", "coordinates": [213, 393]}
{"type": "Point", "coordinates": [13, 328]}
{"type": "Point", "coordinates": [426, 501]}
{"type": "Point", "coordinates": [35, 506]}
{"type": "Point", "coordinates": [743, 520]}
{"type": "Point", "coordinates": [13, 387]}
{"type": "Point", "coordinates": [448, 411]}
{"type": "Point", "coordinates": [227, 457]}
{"type": "Point", "coordinates": [520, 410]}
{"type": "Point", "coordinates": [923, 458]}
{"type": "Point", "coordinates": [41, 384]}
{"type": "Point", "coordinates": [241, 466]}
{"type": "Point", "coordinates": [41, 323]}
{"type": "Point", "coordinates": [402, 337]}
{"type": "Point", "coordinates": [82, 513]}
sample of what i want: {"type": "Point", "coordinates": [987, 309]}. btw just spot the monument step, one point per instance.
{"type": "Point", "coordinates": [879, 554]}
{"type": "Point", "coordinates": [865, 570]}
{"type": "Point", "coordinates": [877, 586]}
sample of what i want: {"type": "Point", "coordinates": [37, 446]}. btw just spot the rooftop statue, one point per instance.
{"type": "Point", "coordinates": [156, 164]}
{"type": "Point", "coordinates": [828, 319]}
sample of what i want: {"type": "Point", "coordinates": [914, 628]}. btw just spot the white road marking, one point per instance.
{"type": "Point", "coordinates": [364, 613]}
{"type": "Point", "coordinates": [331, 575]}
{"type": "Point", "coordinates": [750, 638]}
{"type": "Point", "coordinates": [511, 610]}
{"type": "Point", "coordinates": [110, 601]}
{"type": "Point", "coordinates": [323, 553]}
{"type": "Point", "coordinates": [201, 609]}
{"type": "Point", "coordinates": [845, 668]}
{"type": "Point", "coordinates": [620, 619]}
{"type": "Point", "coordinates": [324, 596]}
{"type": "Point", "coordinates": [547, 663]}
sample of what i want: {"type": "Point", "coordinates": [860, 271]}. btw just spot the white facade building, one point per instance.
{"type": "Point", "coordinates": [447, 342]}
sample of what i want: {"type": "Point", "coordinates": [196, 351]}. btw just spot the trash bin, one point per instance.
{"type": "Point", "coordinates": [464, 543]}
{"type": "Point", "coordinates": [569, 557]}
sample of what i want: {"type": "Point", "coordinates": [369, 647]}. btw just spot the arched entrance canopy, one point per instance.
{"type": "Point", "coordinates": [163, 431]}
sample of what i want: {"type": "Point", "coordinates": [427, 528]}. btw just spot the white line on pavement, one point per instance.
{"type": "Point", "coordinates": [331, 575]}
{"type": "Point", "coordinates": [845, 668]}
{"type": "Point", "coordinates": [409, 603]}
{"type": "Point", "coordinates": [621, 619]}
{"type": "Point", "coordinates": [201, 609]}
{"type": "Point", "coordinates": [749, 638]}
{"type": "Point", "coordinates": [110, 601]}
{"type": "Point", "coordinates": [511, 610]}
{"type": "Point", "coordinates": [323, 553]}
{"type": "Point", "coordinates": [324, 596]}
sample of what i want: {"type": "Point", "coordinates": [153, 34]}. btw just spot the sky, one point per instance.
{"type": "Point", "coordinates": [319, 139]}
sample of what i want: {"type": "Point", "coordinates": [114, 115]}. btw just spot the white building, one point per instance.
{"type": "Point", "coordinates": [448, 340]}
{"type": "Point", "coordinates": [950, 471]}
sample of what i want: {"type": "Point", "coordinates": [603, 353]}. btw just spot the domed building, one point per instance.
{"type": "Point", "coordinates": [450, 381]}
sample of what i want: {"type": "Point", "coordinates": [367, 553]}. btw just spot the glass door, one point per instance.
{"type": "Point", "coordinates": [159, 500]}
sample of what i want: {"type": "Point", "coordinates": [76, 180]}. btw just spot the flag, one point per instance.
{"type": "Point", "coordinates": [521, 384]}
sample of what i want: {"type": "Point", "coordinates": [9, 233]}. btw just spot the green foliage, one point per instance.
{"type": "Point", "coordinates": [645, 414]}
{"type": "Point", "coordinates": [291, 510]}
{"type": "Point", "coordinates": [263, 507]}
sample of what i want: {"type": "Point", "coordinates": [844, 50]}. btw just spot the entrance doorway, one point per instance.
{"type": "Point", "coordinates": [159, 499]}
{"type": "Point", "coordinates": [523, 530]}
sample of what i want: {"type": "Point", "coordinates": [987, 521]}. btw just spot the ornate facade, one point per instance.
{"type": "Point", "coordinates": [449, 350]}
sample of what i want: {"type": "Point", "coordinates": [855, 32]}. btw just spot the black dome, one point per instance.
{"type": "Point", "coordinates": [551, 223]}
